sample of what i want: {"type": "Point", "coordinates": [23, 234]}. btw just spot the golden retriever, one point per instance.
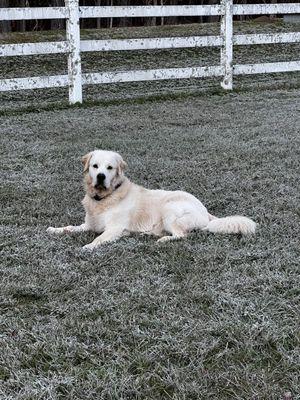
{"type": "Point", "coordinates": [115, 207]}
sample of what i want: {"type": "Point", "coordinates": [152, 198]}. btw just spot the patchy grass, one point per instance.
{"type": "Point", "coordinates": [208, 317]}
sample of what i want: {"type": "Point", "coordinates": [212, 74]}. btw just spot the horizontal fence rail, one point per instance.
{"type": "Point", "coordinates": [8, 50]}
{"type": "Point", "coordinates": [262, 9]}
{"type": "Point", "coordinates": [145, 75]}
{"type": "Point", "coordinates": [73, 46]}
{"type": "Point", "coordinates": [29, 49]}
{"type": "Point", "coordinates": [266, 68]}
{"type": "Point", "coordinates": [262, 38]}
{"type": "Point", "coordinates": [182, 42]}
{"type": "Point", "coordinates": [11, 14]}
{"type": "Point", "coordinates": [25, 13]}
{"type": "Point", "coordinates": [152, 74]}
{"type": "Point", "coordinates": [40, 82]}
{"type": "Point", "coordinates": [148, 11]}
{"type": "Point", "coordinates": [151, 43]}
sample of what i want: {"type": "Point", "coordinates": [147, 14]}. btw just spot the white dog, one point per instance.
{"type": "Point", "coordinates": [115, 206]}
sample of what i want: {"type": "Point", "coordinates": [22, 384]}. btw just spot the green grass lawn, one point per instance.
{"type": "Point", "coordinates": [207, 317]}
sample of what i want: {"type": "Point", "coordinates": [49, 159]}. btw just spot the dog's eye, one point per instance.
{"type": "Point", "coordinates": [95, 166]}
{"type": "Point", "coordinates": [109, 167]}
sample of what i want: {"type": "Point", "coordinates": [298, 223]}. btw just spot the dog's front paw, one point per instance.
{"type": "Point", "coordinates": [60, 231]}
{"type": "Point", "coordinates": [55, 231]}
{"type": "Point", "coordinates": [89, 247]}
{"type": "Point", "coordinates": [164, 239]}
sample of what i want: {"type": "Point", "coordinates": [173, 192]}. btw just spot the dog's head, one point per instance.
{"type": "Point", "coordinates": [103, 170]}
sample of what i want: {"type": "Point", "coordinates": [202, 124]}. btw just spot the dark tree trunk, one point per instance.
{"type": "Point", "coordinates": [5, 26]}
{"type": "Point", "coordinates": [57, 23]}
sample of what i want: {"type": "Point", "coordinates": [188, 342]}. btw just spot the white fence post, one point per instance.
{"type": "Point", "coordinates": [74, 61]}
{"type": "Point", "coordinates": [227, 48]}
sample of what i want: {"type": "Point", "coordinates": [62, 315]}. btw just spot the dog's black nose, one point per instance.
{"type": "Point", "coordinates": [100, 178]}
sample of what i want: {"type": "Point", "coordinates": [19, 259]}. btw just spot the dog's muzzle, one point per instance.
{"type": "Point", "coordinates": [100, 181]}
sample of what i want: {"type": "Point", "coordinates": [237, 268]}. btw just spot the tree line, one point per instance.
{"type": "Point", "coordinates": [22, 26]}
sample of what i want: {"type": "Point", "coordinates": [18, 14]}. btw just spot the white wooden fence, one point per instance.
{"type": "Point", "coordinates": [74, 46]}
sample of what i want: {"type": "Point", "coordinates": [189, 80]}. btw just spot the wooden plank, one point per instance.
{"type": "Point", "coordinates": [9, 50]}
{"type": "Point", "coordinates": [291, 37]}
{"type": "Point", "coordinates": [153, 75]}
{"type": "Point", "coordinates": [148, 11]}
{"type": "Point", "coordinates": [150, 43]}
{"type": "Point", "coordinates": [27, 49]}
{"type": "Point", "coordinates": [266, 68]}
{"type": "Point", "coordinates": [144, 75]}
{"type": "Point", "coordinates": [262, 9]}
{"type": "Point", "coordinates": [39, 82]}
{"type": "Point", "coordinates": [26, 13]}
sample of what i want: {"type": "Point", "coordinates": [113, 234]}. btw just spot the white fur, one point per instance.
{"type": "Point", "coordinates": [132, 208]}
{"type": "Point", "coordinates": [234, 224]}
{"type": "Point", "coordinates": [100, 162]}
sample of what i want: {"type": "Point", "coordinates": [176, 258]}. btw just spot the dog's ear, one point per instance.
{"type": "Point", "coordinates": [121, 165]}
{"type": "Point", "coordinates": [86, 161]}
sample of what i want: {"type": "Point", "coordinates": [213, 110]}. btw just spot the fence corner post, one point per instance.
{"type": "Point", "coordinates": [74, 60]}
{"type": "Point", "coordinates": [227, 47]}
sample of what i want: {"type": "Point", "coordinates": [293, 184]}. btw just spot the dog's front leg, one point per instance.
{"type": "Point", "coordinates": [68, 229]}
{"type": "Point", "coordinates": [107, 236]}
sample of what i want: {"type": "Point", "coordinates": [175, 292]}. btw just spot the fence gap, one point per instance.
{"type": "Point", "coordinates": [227, 47]}
{"type": "Point", "coordinates": [74, 60]}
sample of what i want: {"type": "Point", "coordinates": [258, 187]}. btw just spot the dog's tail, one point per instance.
{"type": "Point", "coordinates": [233, 224]}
